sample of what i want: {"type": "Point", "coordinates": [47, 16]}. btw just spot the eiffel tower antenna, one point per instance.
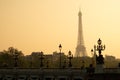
{"type": "Point", "coordinates": [80, 49]}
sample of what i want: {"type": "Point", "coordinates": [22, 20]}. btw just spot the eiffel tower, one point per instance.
{"type": "Point", "coordinates": [80, 49]}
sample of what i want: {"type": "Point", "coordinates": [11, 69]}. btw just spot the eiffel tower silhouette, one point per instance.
{"type": "Point", "coordinates": [80, 49]}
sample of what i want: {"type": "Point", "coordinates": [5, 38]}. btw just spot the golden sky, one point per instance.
{"type": "Point", "coordinates": [41, 25]}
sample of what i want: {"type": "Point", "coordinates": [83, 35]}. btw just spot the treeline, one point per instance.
{"type": "Point", "coordinates": [13, 57]}
{"type": "Point", "coordinates": [7, 57]}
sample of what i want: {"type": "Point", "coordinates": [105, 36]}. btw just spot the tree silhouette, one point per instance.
{"type": "Point", "coordinates": [7, 57]}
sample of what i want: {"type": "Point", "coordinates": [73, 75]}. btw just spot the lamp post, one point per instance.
{"type": "Point", "coordinates": [60, 48]}
{"type": "Point", "coordinates": [93, 57]}
{"type": "Point", "coordinates": [31, 62]}
{"type": "Point", "coordinates": [64, 65]}
{"type": "Point", "coordinates": [92, 52]}
{"type": "Point", "coordinates": [70, 56]}
{"type": "Point", "coordinates": [47, 64]}
{"type": "Point", "coordinates": [99, 48]}
{"type": "Point", "coordinates": [41, 59]}
{"type": "Point", "coordinates": [16, 59]}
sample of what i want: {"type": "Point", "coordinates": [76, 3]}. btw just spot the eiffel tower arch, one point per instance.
{"type": "Point", "coordinates": [80, 49]}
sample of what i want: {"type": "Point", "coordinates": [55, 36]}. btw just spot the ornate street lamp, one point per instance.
{"type": "Point", "coordinates": [60, 48]}
{"type": "Point", "coordinates": [41, 59]}
{"type": "Point", "coordinates": [99, 48]}
{"type": "Point", "coordinates": [70, 56]}
{"type": "Point", "coordinates": [92, 52]}
{"type": "Point", "coordinates": [93, 57]}
{"type": "Point", "coordinates": [16, 59]}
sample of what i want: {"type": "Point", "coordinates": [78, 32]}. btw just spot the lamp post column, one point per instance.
{"type": "Point", "coordinates": [41, 59]}
{"type": "Point", "coordinates": [99, 58]}
{"type": "Point", "coordinates": [70, 56]}
{"type": "Point", "coordinates": [60, 48]}
{"type": "Point", "coordinates": [16, 59]}
{"type": "Point", "coordinates": [99, 48]}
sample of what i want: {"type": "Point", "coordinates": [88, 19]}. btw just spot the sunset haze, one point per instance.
{"type": "Point", "coordinates": [41, 25]}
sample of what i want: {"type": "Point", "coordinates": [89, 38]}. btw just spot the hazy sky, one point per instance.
{"type": "Point", "coordinates": [41, 25]}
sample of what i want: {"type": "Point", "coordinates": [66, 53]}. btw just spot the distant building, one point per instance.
{"type": "Point", "coordinates": [36, 53]}
{"type": "Point", "coordinates": [110, 58]}
{"type": "Point", "coordinates": [56, 55]}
